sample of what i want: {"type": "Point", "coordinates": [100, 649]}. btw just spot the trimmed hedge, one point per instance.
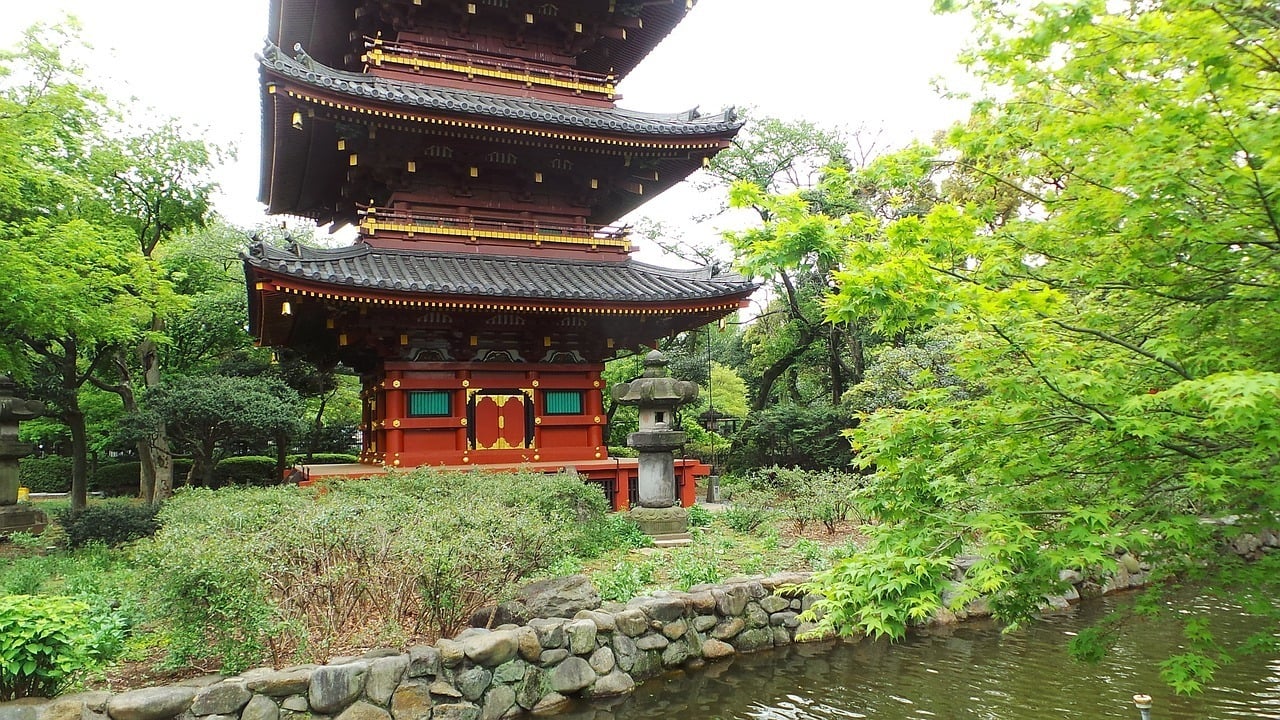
{"type": "Point", "coordinates": [121, 479]}
{"type": "Point", "coordinates": [50, 474]}
{"type": "Point", "coordinates": [324, 459]}
{"type": "Point", "coordinates": [110, 523]}
{"type": "Point", "coordinates": [256, 470]}
{"type": "Point", "coordinates": [116, 479]}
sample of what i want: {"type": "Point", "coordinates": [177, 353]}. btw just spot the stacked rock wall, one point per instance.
{"type": "Point", "coordinates": [536, 666]}
{"type": "Point", "coordinates": [480, 674]}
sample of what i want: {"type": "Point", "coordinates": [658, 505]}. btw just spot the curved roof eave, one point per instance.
{"type": "Point", "coordinates": [362, 87]}
{"type": "Point", "coordinates": [365, 269]}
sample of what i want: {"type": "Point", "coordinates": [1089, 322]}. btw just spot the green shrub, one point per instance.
{"type": "Point", "coordinates": [372, 562]}
{"type": "Point", "coordinates": [46, 642]}
{"type": "Point", "coordinates": [608, 531]}
{"type": "Point", "coordinates": [807, 437]}
{"type": "Point", "coordinates": [625, 581]}
{"type": "Point", "coordinates": [50, 474]}
{"type": "Point", "coordinates": [116, 479]}
{"type": "Point", "coordinates": [256, 470]}
{"type": "Point", "coordinates": [806, 496]}
{"type": "Point", "coordinates": [109, 522]}
{"type": "Point", "coordinates": [748, 510]}
{"type": "Point", "coordinates": [700, 516]}
{"type": "Point", "coordinates": [696, 566]}
{"type": "Point", "coordinates": [121, 479]}
{"type": "Point", "coordinates": [324, 459]}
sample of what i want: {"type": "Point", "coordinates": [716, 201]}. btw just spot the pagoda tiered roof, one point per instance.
{"type": "Point", "coordinates": [615, 35]}
{"type": "Point", "coordinates": [366, 88]}
{"type": "Point", "coordinates": [299, 92]}
{"type": "Point", "coordinates": [414, 276]}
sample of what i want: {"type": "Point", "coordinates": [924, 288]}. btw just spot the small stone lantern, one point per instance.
{"type": "Point", "coordinates": [13, 410]}
{"type": "Point", "coordinates": [657, 396]}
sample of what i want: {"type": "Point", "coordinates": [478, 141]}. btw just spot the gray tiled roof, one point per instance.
{"type": "Point", "coordinates": [505, 107]}
{"type": "Point", "coordinates": [365, 267]}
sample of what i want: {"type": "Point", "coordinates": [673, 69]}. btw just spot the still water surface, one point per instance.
{"type": "Point", "coordinates": [969, 671]}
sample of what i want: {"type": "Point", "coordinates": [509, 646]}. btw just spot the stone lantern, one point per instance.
{"type": "Point", "coordinates": [657, 396]}
{"type": "Point", "coordinates": [15, 518]}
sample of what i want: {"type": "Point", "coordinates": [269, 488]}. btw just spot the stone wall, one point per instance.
{"type": "Point", "coordinates": [480, 674]}
{"type": "Point", "coordinates": [538, 665]}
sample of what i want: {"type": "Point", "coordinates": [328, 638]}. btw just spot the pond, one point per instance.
{"type": "Point", "coordinates": [967, 671]}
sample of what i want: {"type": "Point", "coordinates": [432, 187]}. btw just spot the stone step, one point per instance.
{"type": "Point", "coordinates": [672, 540]}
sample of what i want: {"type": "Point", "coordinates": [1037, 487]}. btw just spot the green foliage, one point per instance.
{"type": "Point", "coordinates": [205, 415]}
{"type": "Point", "coordinates": [361, 562]}
{"type": "Point", "coordinates": [879, 592]}
{"type": "Point", "coordinates": [82, 203]}
{"type": "Point", "coordinates": [624, 581]}
{"type": "Point", "coordinates": [748, 509]}
{"type": "Point", "coordinates": [245, 470]}
{"type": "Point", "coordinates": [324, 459]}
{"type": "Point", "coordinates": [609, 531]}
{"type": "Point", "coordinates": [700, 516]}
{"type": "Point", "coordinates": [696, 565]}
{"type": "Point", "coordinates": [899, 372]}
{"type": "Point", "coordinates": [808, 437]}
{"type": "Point", "coordinates": [46, 644]}
{"type": "Point", "coordinates": [808, 496]}
{"type": "Point", "coordinates": [109, 522]}
{"type": "Point", "coordinates": [1106, 273]}
{"type": "Point", "coordinates": [121, 479]}
{"type": "Point", "coordinates": [116, 479]}
{"type": "Point", "coordinates": [51, 474]}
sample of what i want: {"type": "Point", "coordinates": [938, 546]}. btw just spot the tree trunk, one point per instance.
{"type": "Point", "coordinates": [858, 350]}
{"type": "Point", "coordinates": [776, 370]}
{"type": "Point", "coordinates": [318, 425]}
{"type": "Point", "coordinates": [282, 454]}
{"type": "Point", "coordinates": [74, 418]}
{"type": "Point", "coordinates": [835, 364]}
{"type": "Point", "coordinates": [146, 465]}
{"type": "Point", "coordinates": [158, 455]}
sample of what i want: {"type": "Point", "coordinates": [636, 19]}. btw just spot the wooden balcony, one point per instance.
{"type": "Point", "coordinates": [410, 223]}
{"type": "Point", "coordinates": [381, 52]}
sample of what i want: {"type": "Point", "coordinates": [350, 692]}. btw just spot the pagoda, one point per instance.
{"type": "Point", "coordinates": [477, 147]}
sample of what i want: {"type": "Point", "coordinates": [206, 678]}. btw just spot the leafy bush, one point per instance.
{"type": "Point", "coordinates": [609, 531]}
{"type": "Point", "coordinates": [625, 581]}
{"type": "Point", "coordinates": [50, 474]}
{"type": "Point", "coordinates": [324, 459]}
{"type": "Point", "coordinates": [810, 438]}
{"type": "Point", "coordinates": [805, 496]}
{"type": "Point", "coordinates": [695, 566]}
{"type": "Point", "coordinates": [700, 516]}
{"type": "Point", "coordinates": [748, 510]}
{"type": "Point", "coordinates": [257, 470]}
{"type": "Point", "coordinates": [358, 562]}
{"type": "Point", "coordinates": [120, 479]}
{"type": "Point", "coordinates": [116, 479]}
{"type": "Point", "coordinates": [110, 523]}
{"type": "Point", "coordinates": [46, 642]}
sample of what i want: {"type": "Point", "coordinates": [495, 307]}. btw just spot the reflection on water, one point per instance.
{"type": "Point", "coordinates": [970, 671]}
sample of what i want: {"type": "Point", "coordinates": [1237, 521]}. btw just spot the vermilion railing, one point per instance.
{"type": "Point", "coordinates": [375, 219]}
{"type": "Point", "coordinates": [381, 52]}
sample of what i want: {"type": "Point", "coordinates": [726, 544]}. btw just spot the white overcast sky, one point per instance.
{"type": "Point", "coordinates": [840, 63]}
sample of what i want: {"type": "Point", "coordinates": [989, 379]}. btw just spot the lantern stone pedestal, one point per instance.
{"type": "Point", "coordinates": [656, 396]}
{"type": "Point", "coordinates": [15, 517]}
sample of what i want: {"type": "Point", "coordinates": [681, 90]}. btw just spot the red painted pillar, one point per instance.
{"type": "Point", "coordinates": [395, 415]}
{"type": "Point", "coordinates": [622, 483]}
{"type": "Point", "coordinates": [687, 489]}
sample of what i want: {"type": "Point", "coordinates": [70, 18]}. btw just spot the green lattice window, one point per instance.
{"type": "Point", "coordinates": [563, 402]}
{"type": "Point", "coordinates": [429, 403]}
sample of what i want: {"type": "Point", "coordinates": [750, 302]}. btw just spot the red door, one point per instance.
{"type": "Point", "coordinates": [500, 421]}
